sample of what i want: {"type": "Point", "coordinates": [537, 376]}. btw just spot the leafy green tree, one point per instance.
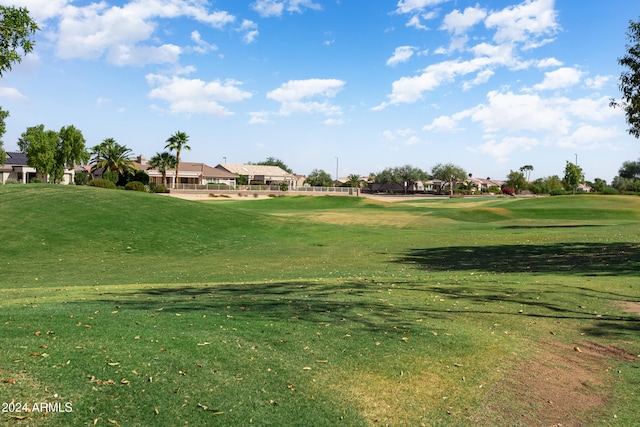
{"type": "Point", "coordinates": [517, 181]}
{"type": "Point", "coordinates": [319, 178]}
{"type": "Point", "coordinates": [386, 176]}
{"type": "Point", "coordinates": [624, 185]}
{"type": "Point", "coordinates": [272, 161]}
{"type": "Point", "coordinates": [449, 173]}
{"type": "Point", "coordinates": [546, 185]}
{"type": "Point", "coordinates": [629, 83]}
{"type": "Point", "coordinates": [526, 170]}
{"type": "Point", "coordinates": [16, 31]}
{"type": "Point", "coordinates": [573, 176]}
{"type": "Point", "coordinates": [630, 169]}
{"type": "Point", "coordinates": [3, 129]}
{"type": "Point", "coordinates": [163, 162]}
{"type": "Point", "coordinates": [112, 157]}
{"type": "Point", "coordinates": [409, 176]}
{"type": "Point", "coordinates": [71, 150]}
{"type": "Point", "coordinates": [40, 147]}
{"type": "Point", "coordinates": [599, 185]}
{"type": "Point", "coordinates": [178, 142]}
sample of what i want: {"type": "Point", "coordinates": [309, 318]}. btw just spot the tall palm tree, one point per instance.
{"type": "Point", "coordinates": [178, 142]}
{"type": "Point", "coordinates": [112, 157]}
{"type": "Point", "coordinates": [163, 162]}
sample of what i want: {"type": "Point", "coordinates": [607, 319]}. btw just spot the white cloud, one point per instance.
{"type": "Point", "coordinates": [410, 89]}
{"type": "Point", "coordinates": [334, 122]}
{"type": "Point", "coordinates": [297, 96]}
{"type": "Point", "coordinates": [412, 6]}
{"type": "Point", "coordinates": [559, 79]}
{"type": "Point", "coordinates": [405, 136]}
{"type": "Point", "coordinates": [141, 55]}
{"type": "Point", "coordinates": [201, 45]}
{"type": "Point", "coordinates": [400, 55]}
{"type": "Point", "coordinates": [459, 22]}
{"type": "Point", "coordinates": [503, 149]}
{"type": "Point", "coordinates": [250, 30]}
{"type": "Point", "coordinates": [597, 82]}
{"type": "Point", "coordinates": [12, 94]}
{"type": "Point", "coordinates": [589, 137]}
{"type": "Point", "coordinates": [548, 63]}
{"type": "Point", "coordinates": [194, 96]}
{"type": "Point", "coordinates": [259, 117]}
{"type": "Point", "coordinates": [269, 8]}
{"type": "Point", "coordinates": [522, 112]}
{"type": "Point", "coordinates": [99, 29]}
{"type": "Point", "coordinates": [442, 124]}
{"type": "Point", "coordinates": [524, 23]}
{"type": "Point", "coordinates": [415, 22]}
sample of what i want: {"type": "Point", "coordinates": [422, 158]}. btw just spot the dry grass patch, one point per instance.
{"type": "Point", "coordinates": [563, 385]}
{"type": "Point", "coordinates": [384, 400]}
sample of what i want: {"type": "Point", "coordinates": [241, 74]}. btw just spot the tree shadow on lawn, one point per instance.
{"type": "Point", "coordinates": [366, 304]}
{"type": "Point", "coordinates": [589, 259]}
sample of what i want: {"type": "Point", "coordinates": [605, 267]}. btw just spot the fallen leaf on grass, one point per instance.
{"type": "Point", "coordinates": [19, 417]}
{"type": "Point", "coordinates": [206, 408]}
{"type": "Point", "coordinates": [113, 422]}
{"type": "Point", "coordinates": [8, 381]}
{"type": "Point", "coordinates": [322, 361]}
{"type": "Point", "coordinates": [577, 349]}
{"type": "Point", "coordinates": [113, 363]}
{"type": "Point", "coordinates": [38, 333]}
{"type": "Point", "coordinates": [306, 368]}
{"type": "Point", "coordinates": [203, 343]}
{"type": "Point", "coordinates": [405, 339]}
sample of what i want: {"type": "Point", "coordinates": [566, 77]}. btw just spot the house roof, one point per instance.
{"type": "Point", "coordinates": [15, 158]}
{"type": "Point", "coordinates": [194, 169]}
{"type": "Point", "coordinates": [256, 170]}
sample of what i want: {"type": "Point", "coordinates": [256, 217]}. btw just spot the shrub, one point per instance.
{"type": "Point", "coordinates": [35, 181]}
{"type": "Point", "coordinates": [110, 176]}
{"type": "Point", "coordinates": [102, 183]}
{"type": "Point", "coordinates": [135, 186]}
{"type": "Point", "coordinates": [610, 191]}
{"type": "Point", "coordinates": [558, 192]}
{"type": "Point", "coordinates": [160, 189]}
{"type": "Point", "coordinates": [509, 191]}
{"type": "Point", "coordinates": [12, 181]}
{"type": "Point", "coordinates": [81, 178]}
{"type": "Point", "coordinates": [141, 176]}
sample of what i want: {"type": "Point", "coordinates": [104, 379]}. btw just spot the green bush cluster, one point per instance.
{"type": "Point", "coordinates": [160, 189]}
{"type": "Point", "coordinates": [102, 183]}
{"type": "Point", "coordinates": [135, 186]}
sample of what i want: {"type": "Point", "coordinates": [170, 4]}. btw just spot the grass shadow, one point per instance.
{"type": "Point", "coordinates": [607, 259]}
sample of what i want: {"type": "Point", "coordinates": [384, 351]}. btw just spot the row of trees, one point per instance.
{"type": "Point", "coordinates": [51, 152]}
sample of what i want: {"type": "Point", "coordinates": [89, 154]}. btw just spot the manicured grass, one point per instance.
{"type": "Point", "coordinates": [142, 309]}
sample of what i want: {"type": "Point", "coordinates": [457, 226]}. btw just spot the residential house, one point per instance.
{"type": "Point", "coordinates": [17, 167]}
{"type": "Point", "coordinates": [190, 174]}
{"type": "Point", "coordinates": [261, 175]}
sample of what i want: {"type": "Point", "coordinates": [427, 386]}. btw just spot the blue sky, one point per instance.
{"type": "Point", "coordinates": [489, 85]}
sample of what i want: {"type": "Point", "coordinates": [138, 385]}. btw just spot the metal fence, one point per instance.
{"type": "Point", "coordinates": [275, 188]}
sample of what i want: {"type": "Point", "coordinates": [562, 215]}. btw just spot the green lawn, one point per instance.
{"type": "Point", "coordinates": [141, 309]}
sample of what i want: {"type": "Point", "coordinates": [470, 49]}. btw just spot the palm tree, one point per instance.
{"type": "Point", "coordinates": [112, 157]}
{"type": "Point", "coordinates": [526, 169]}
{"type": "Point", "coordinates": [353, 180]}
{"type": "Point", "coordinates": [177, 142]}
{"type": "Point", "coordinates": [163, 162]}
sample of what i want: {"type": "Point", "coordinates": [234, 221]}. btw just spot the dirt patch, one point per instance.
{"type": "Point", "coordinates": [562, 386]}
{"type": "Point", "coordinates": [630, 306]}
